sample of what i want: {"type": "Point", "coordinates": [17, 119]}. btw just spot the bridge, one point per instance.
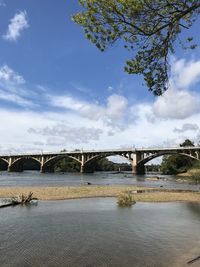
{"type": "Point", "coordinates": [138, 157]}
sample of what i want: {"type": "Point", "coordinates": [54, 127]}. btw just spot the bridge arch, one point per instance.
{"type": "Point", "coordinates": [26, 162]}
{"type": "Point", "coordinates": [50, 163]}
{"type": "Point", "coordinates": [139, 168]}
{"type": "Point", "coordinates": [99, 157]}
{"type": "Point", "coordinates": [156, 155]}
{"type": "Point", "coordinates": [88, 163]}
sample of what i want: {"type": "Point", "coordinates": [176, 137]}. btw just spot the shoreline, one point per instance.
{"type": "Point", "coordinates": [142, 194]}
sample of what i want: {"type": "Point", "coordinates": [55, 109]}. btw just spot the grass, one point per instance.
{"type": "Point", "coordinates": [73, 192]}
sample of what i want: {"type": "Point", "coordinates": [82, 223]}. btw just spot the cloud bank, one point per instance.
{"type": "Point", "coordinates": [53, 122]}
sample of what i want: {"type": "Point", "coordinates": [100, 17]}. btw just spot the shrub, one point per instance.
{"type": "Point", "coordinates": [125, 200]}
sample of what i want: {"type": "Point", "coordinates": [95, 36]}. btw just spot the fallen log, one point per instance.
{"type": "Point", "coordinates": [21, 200]}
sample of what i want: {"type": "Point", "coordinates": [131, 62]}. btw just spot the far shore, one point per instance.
{"type": "Point", "coordinates": [142, 194]}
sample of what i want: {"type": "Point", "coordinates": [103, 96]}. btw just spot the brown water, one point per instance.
{"type": "Point", "coordinates": [96, 232]}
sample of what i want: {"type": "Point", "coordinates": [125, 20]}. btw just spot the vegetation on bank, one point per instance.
{"type": "Point", "coordinates": [184, 167]}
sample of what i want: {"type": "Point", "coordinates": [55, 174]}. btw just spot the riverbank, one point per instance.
{"type": "Point", "coordinates": [73, 192]}
{"type": "Point", "coordinates": [189, 173]}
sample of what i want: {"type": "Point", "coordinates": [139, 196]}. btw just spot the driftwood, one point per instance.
{"type": "Point", "coordinates": [21, 200]}
{"type": "Point", "coordinates": [194, 260]}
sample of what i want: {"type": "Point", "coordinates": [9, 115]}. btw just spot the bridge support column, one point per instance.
{"type": "Point", "coordinates": [138, 168]}
{"type": "Point", "coordinates": [82, 169]}
{"type": "Point", "coordinates": [48, 169]}
{"type": "Point", "coordinates": [45, 167]}
{"type": "Point", "coordinates": [17, 168]}
{"type": "Point", "coordinates": [82, 163]}
{"type": "Point", "coordinates": [86, 169]}
{"type": "Point", "coordinates": [14, 167]}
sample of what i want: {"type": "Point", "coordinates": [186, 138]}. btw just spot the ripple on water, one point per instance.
{"type": "Point", "coordinates": [95, 232]}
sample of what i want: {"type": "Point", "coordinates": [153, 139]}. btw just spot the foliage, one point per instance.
{"type": "Point", "coordinates": [148, 29]}
{"type": "Point", "coordinates": [125, 200]}
{"type": "Point", "coordinates": [175, 164]}
{"type": "Point", "coordinates": [152, 168]}
{"type": "Point", "coordinates": [67, 165]}
{"type": "Point", "coordinates": [105, 164]}
{"type": "Point", "coordinates": [70, 165]}
{"type": "Point", "coordinates": [187, 142]}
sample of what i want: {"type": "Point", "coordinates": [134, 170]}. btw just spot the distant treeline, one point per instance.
{"type": "Point", "coordinates": [70, 165]}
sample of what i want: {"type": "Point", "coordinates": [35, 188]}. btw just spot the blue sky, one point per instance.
{"type": "Point", "coordinates": [59, 91]}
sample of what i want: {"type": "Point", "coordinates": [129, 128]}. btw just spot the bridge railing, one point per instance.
{"type": "Point", "coordinates": [132, 150]}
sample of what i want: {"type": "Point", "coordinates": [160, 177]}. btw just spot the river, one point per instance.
{"type": "Point", "coordinates": [96, 232]}
{"type": "Point", "coordinates": [35, 178]}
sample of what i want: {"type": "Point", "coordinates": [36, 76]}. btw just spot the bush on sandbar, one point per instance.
{"type": "Point", "coordinates": [125, 200]}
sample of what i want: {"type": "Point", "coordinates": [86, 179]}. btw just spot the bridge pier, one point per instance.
{"type": "Point", "coordinates": [138, 169]}
{"type": "Point", "coordinates": [47, 169]}
{"type": "Point", "coordinates": [15, 168]}
{"type": "Point", "coordinates": [86, 169]}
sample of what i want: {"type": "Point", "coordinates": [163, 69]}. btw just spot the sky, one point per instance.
{"type": "Point", "coordinates": [58, 91]}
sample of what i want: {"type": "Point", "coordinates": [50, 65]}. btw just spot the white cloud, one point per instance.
{"type": "Point", "coordinates": [9, 75]}
{"type": "Point", "coordinates": [184, 73]}
{"type": "Point", "coordinates": [52, 131]}
{"type": "Point", "coordinates": [110, 88]}
{"type": "Point", "coordinates": [176, 104]}
{"type": "Point", "coordinates": [116, 106]}
{"type": "Point", "coordinates": [112, 113]}
{"type": "Point", "coordinates": [66, 102]}
{"type": "Point", "coordinates": [67, 134]}
{"type": "Point", "coordinates": [34, 131]}
{"type": "Point", "coordinates": [12, 88]}
{"type": "Point", "coordinates": [9, 97]}
{"type": "Point", "coordinates": [17, 24]}
{"type": "Point", "coordinates": [187, 127]}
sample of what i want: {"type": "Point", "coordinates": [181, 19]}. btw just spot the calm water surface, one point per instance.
{"type": "Point", "coordinates": [35, 178]}
{"type": "Point", "coordinates": [96, 232]}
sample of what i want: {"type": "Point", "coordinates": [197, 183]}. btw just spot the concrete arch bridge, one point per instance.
{"type": "Point", "coordinates": [138, 157]}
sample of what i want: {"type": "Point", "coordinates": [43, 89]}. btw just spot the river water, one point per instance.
{"type": "Point", "coordinates": [96, 232]}
{"type": "Point", "coordinates": [35, 178]}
